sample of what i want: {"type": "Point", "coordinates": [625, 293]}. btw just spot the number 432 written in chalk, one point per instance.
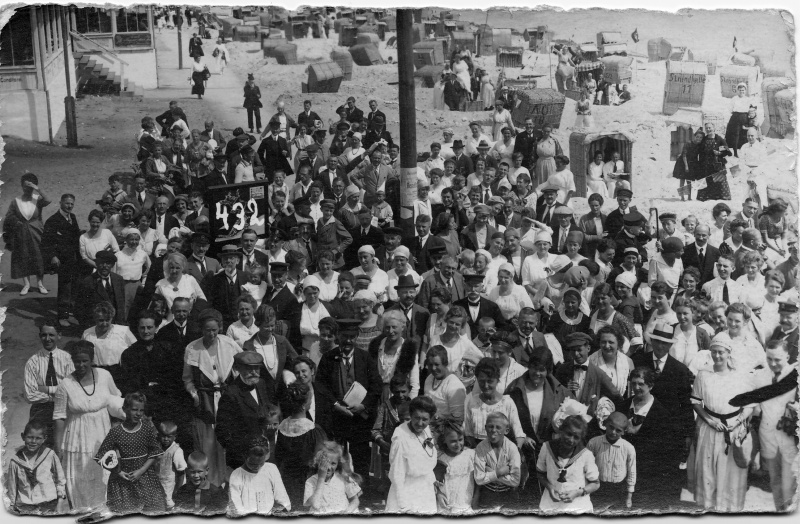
{"type": "Point", "coordinates": [241, 212]}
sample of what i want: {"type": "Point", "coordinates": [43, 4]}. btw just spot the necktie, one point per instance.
{"type": "Point", "coordinates": [615, 167]}
{"type": "Point", "coordinates": [658, 367]}
{"type": "Point", "coordinates": [202, 264]}
{"type": "Point", "coordinates": [303, 191]}
{"type": "Point", "coordinates": [562, 241]}
{"type": "Point", "coordinates": [725, 293]}
{"type": "Point", "coordinates": [107, 285]}
{"type": "Point", "coordinates": [51, 380]}
{"type": "Point", "coordinates": [308, 247]}
{"type": "Point", "coordinates": [528, 346]}
{"type": "Point", "coordinates": [486, 196]}
{"type": "Point", "coordinates": [363, 232]}
{"type": "Point", "coordinates": [141, 200]}
{"type": "Point", "coordinates": [159, 218]}
{"type": "Point", "coordinates": [774, 378]}
{"type": "Point", "coordinates": [700, 256]}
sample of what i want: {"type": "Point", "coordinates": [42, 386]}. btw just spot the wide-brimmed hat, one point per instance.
{"type": "Point", "coordinates": [663, 331]}
{"type": "Point", "coordinates": [483, 144]}
{"type": "Point", "coordinates": [457, 144]}
{"type": "Point", "coordinates": [405, 282]}
{"type": "Point", "coordinates": [230, 249]}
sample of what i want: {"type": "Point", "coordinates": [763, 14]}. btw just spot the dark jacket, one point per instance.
{"type": "Point", "coordinates": [518, 346]}
{"type": "Point", "coordinates": [464, 165]}
{"type": "Point", "coordinates": [252, 97]}
{"type": "Point", "coordinates": [284, 303]}
{"type": "Point", "coordinates": [421, 255]}
{"type": "Point", "coordinates": [170, 222]}
{"type": "Point", "coordinates": [673, 388]}
{"type": "Point", "coordinates": [791, 341]}
{"type": "Point", "coordinates": [525, 144]}
{"type": "Point", "coordinates": [171, 335]}
{"type": "Point", "coordinates": [596, 384]}
{"type": "Point", "coordinates": [212, 501]}
{"type": "Point", "coordinates": [357, 428]}
{"type": "Point", "coordinates": [270, 151]}
{"type": "Point", "coordinates": [91, 292]}
{"type": "Point", "coordinates": [239, 417]}
{"type": "Point", "coordinates": [416, 327]}
{"type": "Point", "coordinates": [307, 120]}
{"type": "Point", "coordinates": [457, 292]}
{"type": "Point", "coordinates": [286, 355]}
{"type": "Point", "coordinates": [690, 258]}
{"type": "Point", "coordinates": [373, 238]}
{"type": "Point", "coordinates": [354, 115]}
{"type": "Point", "coordinates": [554, 395]}
{"type": "Point", "coordinates": [409, 352]}
{"type": "Point", "coordinates": [61, 239]}
{"type": "Point", "coordinates": [469, 239]}
{"type": "Point", "coordinates": [158, 374]}
{"type": "Point", "coordinates": [486, 309]}
{"type": "Point", "coordinates": [224, 296]}
{"type": "Point", "coordinates": [165, 120]}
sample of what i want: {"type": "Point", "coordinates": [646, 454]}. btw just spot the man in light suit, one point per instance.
{"type": "Point", "coordinates": [723, 287]}
{"type": "Point", "coordinates": [701, 255]}
{"type": "Point", "coordinates": [446, 277]}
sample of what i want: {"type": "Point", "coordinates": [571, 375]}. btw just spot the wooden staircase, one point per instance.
{"type": "Point", "coordinates": [94, 78]}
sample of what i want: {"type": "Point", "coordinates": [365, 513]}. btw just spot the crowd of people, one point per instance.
{"type": "Point", "coordinates": [507, 354]}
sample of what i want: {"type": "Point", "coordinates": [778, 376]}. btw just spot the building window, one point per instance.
{"type": "Point", "coordinates": [16, 42]}
{"type": "Point", "coordinates": [132, 20]}
{"type": "Point", "coordinates": [92, 20]}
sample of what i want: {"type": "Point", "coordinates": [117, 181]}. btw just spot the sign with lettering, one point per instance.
{"type": "Point", "coordinates": [18, 80]}
{"type": "Point", "coordinates": [133, 40]}
{"type": "Point", "coordinates": [236, 207]}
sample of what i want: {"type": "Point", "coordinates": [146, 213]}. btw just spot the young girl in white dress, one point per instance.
{"type": "Point", "coordinates": [412, 459]}
{"type": "Point", "coordinates": [335, 488]}
{"type": "Point", "coordinates": [456, 492]}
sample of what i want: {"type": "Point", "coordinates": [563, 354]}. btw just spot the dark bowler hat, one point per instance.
{"type": "Point", "coordinates": [280, 234]}
{"type": "Point", "coordinates": [473, 279]}
{"type": "Point", "coordinates": [219, 156]}
{"type": "Point", "coordinates": [278, 267]}
{"type": "Point", "coordinates": [348, 325]}
{"type": "Point", "coordinates": [248, 358]}
{"type": "Point", "coordinates": [393, 231]}
{"type": "Point", "coordinates": [342, 126]}
{"type": "Point", "coordinates": [457, 144]}
{"type": "Point", "coordinates": [788, 306]}
{"type": "Point", "coordinates": [200, 238]}
{"type": "Point", "coordinates": [634, 218]}
{"type": "Point", "coordinates": [578, 339]}
{"type": "Point", "coordinates": [405, 282]}
{"type": "Point", "coordinates": [105, 257]}
{"type": "Point", "coordinates": [230, 249]}
{"type": "Point", "coordinates": [622, 192]}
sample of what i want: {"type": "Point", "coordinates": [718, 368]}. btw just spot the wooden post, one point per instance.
{"type": "Point", "coordinates": [69, 100]}
{"type": "Point", "coordinates": [408, 120]}
{"type": "Point", "coordinates": [180, 41]}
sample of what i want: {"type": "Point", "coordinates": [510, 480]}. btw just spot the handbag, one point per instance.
{"type": "Point", "coordinates": [742, 446]}
{"type": "Point", "coordinates": [215, 54]}
{"type": "Point", "coordinates": [206, 74]}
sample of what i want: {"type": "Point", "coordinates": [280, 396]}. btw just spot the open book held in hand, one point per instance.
{"type": "Point", "coordinates": [355, 395]}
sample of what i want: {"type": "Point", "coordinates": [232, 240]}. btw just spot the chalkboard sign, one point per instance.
{"type": "Point", "coordinates": [132, 40]}
{"type": "Point", "coordinates": [236, 207]}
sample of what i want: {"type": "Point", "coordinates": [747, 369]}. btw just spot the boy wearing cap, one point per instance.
{"type": "Point", "coordinates": [631, 235]}
{"type": "Point", "coordinates": [614, 221]}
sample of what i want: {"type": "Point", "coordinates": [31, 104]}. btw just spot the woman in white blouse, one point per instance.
{"type": "Point", "coordinates": [503, 149]}
{"type": "Point", "coordinates": [132, 265]}
{"type": "Point", "coordinates": [310, 315]}
{"type": "Point", "coordinates": [176, 284]}
{"type": "Point", "coordinates": [611, 360]}
{"type": "Point", "coordinates": [394, 354]}
{"type": "Point", "coordinates": [443, 386]}
{"type": "Point", "coordinates": [328, 278]}
{"type": "Point", "coordinates": [243, 329]}
{"type": "Point", "coordinates": [453, 339]}
{"type": "Point", "coordinates": [96, 239]}
{"type": "Point", "coordinates": [244, 171]}
{"type": "Point", "coordinates": [109, 339]}
{"type": "Point", "coordinates": [741, 121]}
{"type": "Point", "coordinates": [508, 296]}
{"type": "Point", "coordinates": [401, 267]}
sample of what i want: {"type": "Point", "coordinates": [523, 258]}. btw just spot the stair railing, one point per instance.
{"type": "Point", "coordinates": [104, 50]}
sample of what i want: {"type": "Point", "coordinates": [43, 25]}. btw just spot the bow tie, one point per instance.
{"type": "Point", "coordinates": [474, 304]}
{"type": "Point", "coordinates": [582, 366]}
{"type": "Point", "coordinates": [245, 387]}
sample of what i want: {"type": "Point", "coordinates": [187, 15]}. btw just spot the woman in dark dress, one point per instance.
{"type": "Point", "coordinates": [657, 441]}
{"type": "Point", "coordinates": [22, 233]}
{"type": "Point", "coordinates": [687, 167]}
{"type": "Point", "coordinates": [297, 441]}
{"type": "Point", "coordinates": [713, 150]}
{"type": "Point", "coordinates": [200, 74]}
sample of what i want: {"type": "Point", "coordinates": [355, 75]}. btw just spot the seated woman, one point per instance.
{"type": "Point", "coordinates": [510, 297]}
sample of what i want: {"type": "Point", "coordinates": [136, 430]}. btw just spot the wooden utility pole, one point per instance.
{"type": "Point", "coordinates": [408, 120]}
{"type": "Point", "coordinates": [69, 100]}
{"type": "Point", "coordinates": [180, 41]}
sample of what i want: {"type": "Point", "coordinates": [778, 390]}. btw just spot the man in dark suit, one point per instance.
{"type": "Point", "coordinates": [425, 244]}
{"type": "Point", "coordinates": [526, 339]}
{"type": "Point", "coordinates": [701, 255]}
{"type": "Point", "coordinates": [338, 369]}
{"type": "Point", "coordinates": [274, 152]}
{"type": "Point", "coordinates": [447, 277]}
{"type": "Point", "coordinates": [377, 132]}
{"type": "Point", "coordinates": [209, 133]}
{"type": "Point", "coordinates": [374, 112]}
{"type": "Point", "coordinates": [417, 315]}
{"type": "Point", "coordinates": [101, 286]}
{"type": "Point", "coordinates": [162, 222]}
{"type": "Point", "coordinates": [218, 176]}
{"type": "Point", "coordinates": [614, 221]}
{"type": "Point", "coordinates": [463, 162]}
{"type": "Point", "coordinates": [586, 383]}
{"type": "Point", "coordinates": [307, 118]}
{"type": "Point", "coordinates": [469, 236]}
{"type": "Point", "coordinates": [478, 307]}
{"type": "Point", "coordinates": [631, 235]}
{"type": "Point", "coordinates": [564, 227]}
{"type": "Point", "coordinates": [244, 409]}
{"type": "Point", "coordinates": [250, 255]}
{"type": "Point", "coordinates": [281, 296]}
{"type": "Point", "coordinates": [168, 117]}
{"type": "Point", "coordinates": [751, 238]}
{"type": "Point", "coordinates": [452, 92]}
{"type": "Point", "coordinates": [354, 114]}
{"type": "Point", "coordinates": [328, 175]}
{"type": "Point", "coordinates": [60, 251]}
{"type": "Point", "coordinates": [525, 142]}
{"type": "Point", "coordinates": [384, 254]}
{"type": "Point", "coordinates": [182, 329]}
{"type": "Point", "coordinates": [546, 205]}
{"type": "Point", "coordinates": [226, 286]}
{"type": "Point", "coordinates": [673, 385]}
{"type": "Point", "coordinates": [364, 234]}
{"type": "Point", "coordinates": [787, 329]}
{"type": "Point", "coordinates": [198, 265]}
{"type": "Point", "coordinates": [139, 196]}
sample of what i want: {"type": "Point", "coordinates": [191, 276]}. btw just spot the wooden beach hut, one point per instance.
{"type": "Point", "coordinates": [583, 146]}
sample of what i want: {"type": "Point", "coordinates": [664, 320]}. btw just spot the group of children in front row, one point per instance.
{"type": "Point", "coordinates": [430, 469]}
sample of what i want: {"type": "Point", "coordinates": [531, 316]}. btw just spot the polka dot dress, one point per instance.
{"type": "Point", "coordinates": [134, 447]}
